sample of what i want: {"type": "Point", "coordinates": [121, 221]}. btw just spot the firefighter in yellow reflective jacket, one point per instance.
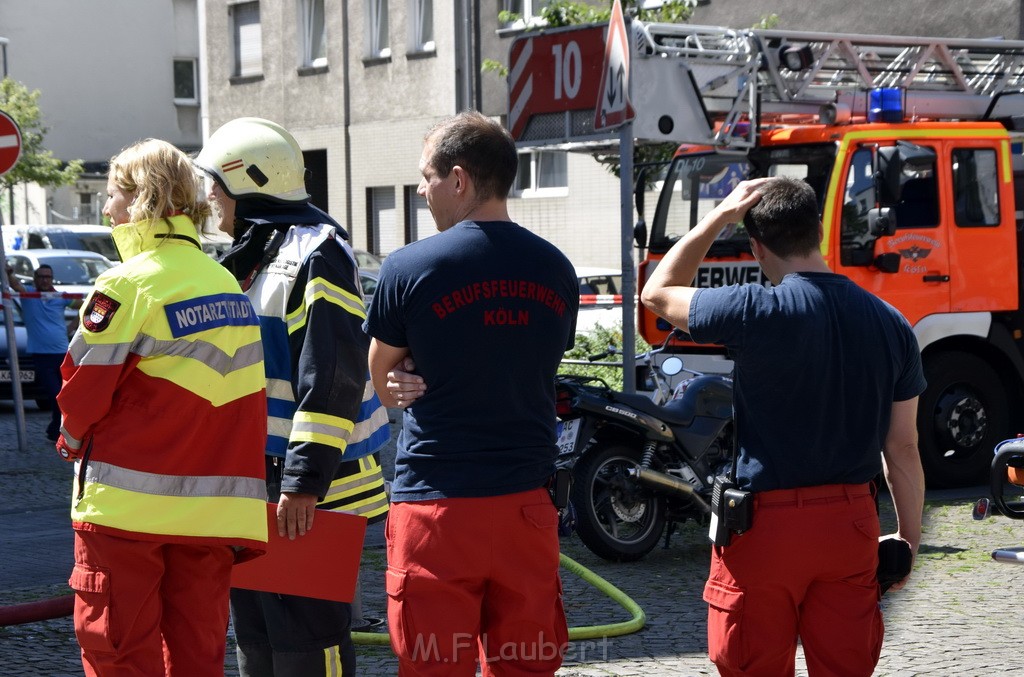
{"type": "Point", "coordinates": [165, 414]}
{"type": "Point", "coordinates": [325, 421]}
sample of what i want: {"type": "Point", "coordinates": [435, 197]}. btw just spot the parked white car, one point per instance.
{"type": "Point", "coordinates": [600, 298]}
{"type": "Point", "coordinates": [81, 237]}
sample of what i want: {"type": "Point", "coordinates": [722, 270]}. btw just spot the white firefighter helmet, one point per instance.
{"type": "Point", "coordinates": [255, 157]}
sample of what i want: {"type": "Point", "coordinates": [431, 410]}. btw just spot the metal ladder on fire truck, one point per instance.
{"type": "Point", "coordinates": [773, 76]}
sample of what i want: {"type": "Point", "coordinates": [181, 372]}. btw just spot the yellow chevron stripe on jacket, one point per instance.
{"type": "Point", "coordinates": [309, 426]}
{"type": "Point", "coordinates": [359, 491]}
{"type": "Point", "coordinates": [165, 393]}
{"type": "Point", "coordinates": [320, 289]}
{"type": "Point", "coordinates": [213, 507]}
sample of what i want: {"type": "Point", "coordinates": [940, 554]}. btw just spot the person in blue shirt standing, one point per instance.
{"type": "Point", "coordinates": [47, 336]}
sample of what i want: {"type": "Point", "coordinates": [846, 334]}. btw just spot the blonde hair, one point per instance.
{"type": "Point", "coordinates": [162, 179]}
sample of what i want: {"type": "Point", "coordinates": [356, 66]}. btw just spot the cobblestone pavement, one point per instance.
{"type": "Point", "coordinates": [959, 616]}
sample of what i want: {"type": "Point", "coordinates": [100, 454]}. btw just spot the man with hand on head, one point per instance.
{"type": "Point", "coordinates": [826, 387]}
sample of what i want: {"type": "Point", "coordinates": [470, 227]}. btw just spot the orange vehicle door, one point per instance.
{"type": "Point", "coordinates": [981, 225]}
{"type": "Point", "coordinates": [909, 268]}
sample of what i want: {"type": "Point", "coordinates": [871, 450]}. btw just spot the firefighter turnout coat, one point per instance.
{"type": "Point", "coordinates": [324, 419]}
{"type": "Point", "coordinates": [164, 398]}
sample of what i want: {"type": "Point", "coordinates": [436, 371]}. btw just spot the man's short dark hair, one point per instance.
{"type": "Point", "coordinates": [44, 266]}
{"type": "Point", "coordinates": [785, 220]}
{"type": "Point", "coordinates": [479, 145]}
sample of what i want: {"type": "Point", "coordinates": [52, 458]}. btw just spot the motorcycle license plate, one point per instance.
{"type": "Point", "coordinates": [26, 376]}
{"type": "Point", "coordinates": [568, 431]}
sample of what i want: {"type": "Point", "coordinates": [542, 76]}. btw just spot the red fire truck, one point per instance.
{"type": "Point", "coordinates": [911, 145]}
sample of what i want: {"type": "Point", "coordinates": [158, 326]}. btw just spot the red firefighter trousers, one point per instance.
{"type": "Point", "coordinates": [475, 577]}
{"type": "Point", "coordinates": [150, 608]}
{"type": "Point", "coordinates": [806, 568]}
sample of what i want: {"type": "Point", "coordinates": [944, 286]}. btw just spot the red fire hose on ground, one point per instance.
{"type": "Point", "coordinates": [42, 610]}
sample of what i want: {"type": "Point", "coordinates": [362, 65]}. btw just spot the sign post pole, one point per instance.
{"type": "Point", "coordinates": [628, 274]}
{"type": "Point", "coordinates": [615, 109]}
{"type": "Point", "coordinates": [10, 151]}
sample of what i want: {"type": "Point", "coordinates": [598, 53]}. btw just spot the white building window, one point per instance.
{"type": "Point", "coordinates": [248, 48]}
{"type": "Point", "coordinates": [312, 34]}
{"type": "Point", "coordinates": [542, 174]}
{"type": "Point", "coordinates": [384, 231]}
{"type": "Point", "coordinates": [421, 26]}
{"type": "Point", "coordinates": [528, 12]}
{"type": "Point", "coordinates": [377, 29]}
{"type": "Point", "coordinates": [417, 213]}
{"type": "Point", "coordinates": [186, 82]}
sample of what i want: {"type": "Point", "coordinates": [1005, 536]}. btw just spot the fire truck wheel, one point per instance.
{"type": "Point", "coordinates": [960, 418]}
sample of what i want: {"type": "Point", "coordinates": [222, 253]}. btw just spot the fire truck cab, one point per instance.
{"type": "Point", "coordinates": [924, 216]}
{"type": "Point", "coordinates": [912, 145]}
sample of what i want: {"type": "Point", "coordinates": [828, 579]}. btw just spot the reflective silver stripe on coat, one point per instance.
{"type": "Point", "coordinates": [352, 485]}
{"type": "Point", "coordinates": [279, 427]}
{"type": "Point", "coordinates": [336, 431]}
{"type": "Point", "coordinates": [369, 507]}
{"type": "Point", "coordinates": [183, 486]}
{"type": "Point", "coordinates": [280, 389]}
{"type": "Point", "coordinates": [216, 358]}
{"type": "Point", "coordinates": [71, 441]}
{"type": "Point", "coordinates": [83, 353]}
{"type": "Point", "coordinates": [363, 429]}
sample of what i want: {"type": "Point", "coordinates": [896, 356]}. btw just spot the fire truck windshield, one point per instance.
{"type": "Point", "coordinates": [695, 182]}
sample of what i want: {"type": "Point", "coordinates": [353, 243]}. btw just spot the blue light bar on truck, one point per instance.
{"type": "Point", "coordinates": [885, 104]}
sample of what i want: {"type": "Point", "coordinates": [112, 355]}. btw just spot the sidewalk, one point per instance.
{"type": "Point", "coordinates": [960, 615]}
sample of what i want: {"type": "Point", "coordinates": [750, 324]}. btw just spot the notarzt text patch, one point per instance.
{"type": "Point", "coordinates": [209, 312]}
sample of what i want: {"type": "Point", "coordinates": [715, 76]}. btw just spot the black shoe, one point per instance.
{"type": "Point", "coordinates": [51, 436]}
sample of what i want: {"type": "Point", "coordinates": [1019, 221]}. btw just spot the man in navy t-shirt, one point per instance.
{"type": "Point", "coordinates": [827, 382]}
{"type": "Point", "coordinates": [486, 309]}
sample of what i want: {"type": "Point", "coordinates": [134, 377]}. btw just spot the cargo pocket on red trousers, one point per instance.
{"type": "Point", "coordinates": [725, 611]}
{"type": "Point", "coordinates": [398, 621]}
{"type": "Point", "coordinates": [542, 516]}
{"type": "Point", "coordinates": [92, 608]}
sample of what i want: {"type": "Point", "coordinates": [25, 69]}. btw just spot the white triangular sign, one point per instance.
{"type": "Point", "coordinates": [613, 105]}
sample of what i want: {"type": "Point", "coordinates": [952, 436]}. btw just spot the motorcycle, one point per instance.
{"type": "Point", "coordinates": [640, 467]}
{"type": "Point", "coordinates": [1006, 482]}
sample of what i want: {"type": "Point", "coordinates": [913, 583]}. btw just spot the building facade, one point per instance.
{"type": "Point", "coordinates": [109, 72]}
{"type": "Point", "coordinates": [389, 70]}
{"type": "Point", "coordinates": [358, 82]}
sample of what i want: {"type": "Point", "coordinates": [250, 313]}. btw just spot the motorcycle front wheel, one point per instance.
{"type": "Point", "coordinates": [616, 517]}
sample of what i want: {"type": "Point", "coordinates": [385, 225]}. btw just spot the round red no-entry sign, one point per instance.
{"type": "Point", "coordinates": [10, 143]}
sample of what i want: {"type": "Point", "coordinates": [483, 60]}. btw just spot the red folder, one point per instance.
{"type": "Point", "coordinates": [322, 564]}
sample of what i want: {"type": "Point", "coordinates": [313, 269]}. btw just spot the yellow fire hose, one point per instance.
{"type": "Point", "coordinates": [634, 624]}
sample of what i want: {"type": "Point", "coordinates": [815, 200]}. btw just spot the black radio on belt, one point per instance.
{"type": "Point", "coordinates": [559, 487]}
{"type": "Point", "coordinates": [732, 510]}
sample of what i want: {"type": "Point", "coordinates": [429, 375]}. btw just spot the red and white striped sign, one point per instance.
{"type": "Point", "coordinates": [10, 143]}
{"type": "Point", "coordinates": [600, 299]}
{"type": "Point", "coordinates": [552, 72]}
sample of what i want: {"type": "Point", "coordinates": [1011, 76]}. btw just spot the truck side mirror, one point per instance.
{"type": "Point", "coordinates": [881, 222]}
{"type": "Point", "coordinates": [640, 234]}
{"type": "Point", "coordinates": [638, 192]}
{"type": "Point", "coordinates": [888, 263]}
{"type": "Point", "coordinates": [640, 229]}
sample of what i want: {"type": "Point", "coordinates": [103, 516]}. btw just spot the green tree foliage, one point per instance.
{"type": "Point", "coordinates": [574, 12]}
{"type": "Point", "coordinates": [36, 164]}
{"type": "Point", "coordinates": [594, 343]}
